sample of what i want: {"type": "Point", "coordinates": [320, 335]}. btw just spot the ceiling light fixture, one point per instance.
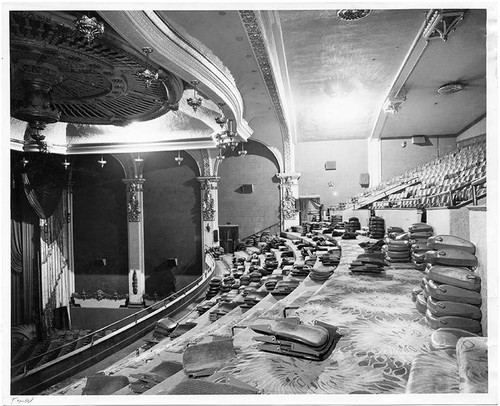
{"type": "Point", "coordinates": [352, 15]}
{"type": "Point", "coordinates": [195, 101]}
{"type": "Point", "coordinates": [149, 75]}
{"type": "Point", "coordinates": [101, 162]}
{"type": "Point", "coordinates": [227, 138]}
{"type": "Point", "coordinates": [452, 87]}
{"type": "Point", "coordinates": [89, 27]}
{"type": "Point", "coordinates": [178, 158]}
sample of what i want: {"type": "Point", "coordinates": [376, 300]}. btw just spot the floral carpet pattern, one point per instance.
{"type": "Point", "coordinates": [382, 334]}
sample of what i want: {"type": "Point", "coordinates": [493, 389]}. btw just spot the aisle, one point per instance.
{"type": "Point", "coordinates": [383, 334]}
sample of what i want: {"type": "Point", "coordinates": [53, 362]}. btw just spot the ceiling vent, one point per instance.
{"type": "Point", "coordinates": [351, 15]}
{"type": "Point", "coordinates": [452, 87]}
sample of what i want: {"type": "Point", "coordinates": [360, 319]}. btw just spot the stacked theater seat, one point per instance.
{"type": "Point", "coordinates": [221, 311]}
{"type": "Point", "coordinates": [283, 288]}
{"type": "Point", "coordinates": [213, 287]}
{"type": "Point", "coordinates": [452, 288]}
{"type": "Point", "coordinates": [252, 299]}
{"type": "Point", "coordinates": [352, 225]}
{"type": "Point", "coordinates": [204, 306]}
{"type": "Point", "coordinates": [368, 263]}
{"type": "Point", "coordinates": [398, 251]}
{"type": "Point", "coordinates": [392, 232]}
{"type": "Point", "coordinates": [271, 282]}
{"type": "Point", "coordinates": [300, 270]}
{"type": "Point", "coordinates": [292, 338]}
{"type": "Point", "coordinates": [376, 227]}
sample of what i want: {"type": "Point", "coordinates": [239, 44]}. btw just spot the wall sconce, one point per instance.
{"type": "Point", "coordinates": [101, 162]}
{"type": "Point", "coordinates": [207, 227]}
{"type": "Point", "coordinates": [178, 158]}
{"type": "Point", "coordinates": [195, 101]}
{"type": "Point", "coordinates": [403, 144]}
{"type": "Point", "coordinates": [25, 162]}
{"type": "Point", "coordinates": [66, 164]}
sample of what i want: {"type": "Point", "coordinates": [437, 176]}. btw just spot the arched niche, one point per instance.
{"type": "Point", "coordinates": [99, 225]}
{"type": "Point", "coordinates": [172, 222]}
{"type": "Point", "coordinates": [248, 189]}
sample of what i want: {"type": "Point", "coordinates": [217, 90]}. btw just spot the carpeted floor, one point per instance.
{"type": "Point", "coordinates": [383, 334]}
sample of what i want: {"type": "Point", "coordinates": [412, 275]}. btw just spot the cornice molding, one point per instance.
{"type": "Point", "coordinates": [178, 55]}
{"type": "Point", "coordinates": [256, 38]}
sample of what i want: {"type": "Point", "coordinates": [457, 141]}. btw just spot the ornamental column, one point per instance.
{"type": "Point", "coordinates": [209, 211]}
{"type": "Point", "coordinates": [289, 193]}
{"type": "Point", "coordinates": [136, 272]}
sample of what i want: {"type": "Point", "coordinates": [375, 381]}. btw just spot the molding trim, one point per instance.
{"type": "Point", "coordinates": [179, 56]}
{"type": "Point", "coordinates": [255, 36]}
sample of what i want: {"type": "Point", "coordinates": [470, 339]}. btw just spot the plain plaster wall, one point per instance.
{"type": "Point", "coordinates": [351, 157]}
{"type": "Point", "coordinates": [253, 211]}
{"type": "Point", "coordinates": [396, 159]}
{"type": "Point", "coordinates": [475, 130]}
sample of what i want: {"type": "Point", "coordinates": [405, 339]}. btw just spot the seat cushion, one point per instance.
{"type": "Point", "coordinates": [440, 308]}
{"type": "Point", "coordinates": [453, 293]}
{"type": "Point", "coordinates": [446, 338]}
{"type": "Point", "coordinates": [456, 276]}
{"type": "Point", "coordinates": [449, 241]}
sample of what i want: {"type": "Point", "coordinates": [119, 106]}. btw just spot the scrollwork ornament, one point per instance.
{"type": "Point", "coordinates": [133, 206]}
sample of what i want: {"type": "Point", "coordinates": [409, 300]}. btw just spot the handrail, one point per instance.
{"type": "Point", "coordinates": [261, 231]}
{"type": "Point", "coordinates": [121, 322]}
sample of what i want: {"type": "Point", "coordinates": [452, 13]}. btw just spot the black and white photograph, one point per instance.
{"type": "Point", "coordinates": [250, 202]}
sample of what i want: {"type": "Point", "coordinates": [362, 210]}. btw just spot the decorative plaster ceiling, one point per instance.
{"type": "Point", "coordinates": [92, 83]}
{"type": "Point", "coordinates": [340, 71]}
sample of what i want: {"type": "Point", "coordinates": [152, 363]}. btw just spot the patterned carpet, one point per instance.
{"type": "Point", "coordinates": [383, 333]}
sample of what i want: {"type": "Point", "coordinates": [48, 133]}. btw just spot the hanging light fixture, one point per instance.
{"type": "Point", "coordinates": [242, 152]}
{"type": "Point", "coordinates": [25, 162]}
{"type": "Point", "coordinates": [220, 157]}
{"type": "Point", "coordinates": [65, 163]}
{"type": "Point", "coordinates": [178, 158]}
{"type": "Point", "coordinates": [89, 27]}
{"type": "Point", "coordinates": [221, 120]}
{"type": "Point", "coordinates": [195, 101]}
{"type": "Point", "coordinates": [149, 75]}
{"type": "Point", "coordinates": [101, 162]}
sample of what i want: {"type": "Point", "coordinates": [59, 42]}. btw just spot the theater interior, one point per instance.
{"type": "Point", "coordinates": [251, 202]}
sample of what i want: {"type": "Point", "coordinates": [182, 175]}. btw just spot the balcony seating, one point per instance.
{"type": "Point", "coordinates": [443, 182]}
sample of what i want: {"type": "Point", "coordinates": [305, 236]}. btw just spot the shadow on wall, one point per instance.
{"type": "Point", "coordinates": [161, 280]}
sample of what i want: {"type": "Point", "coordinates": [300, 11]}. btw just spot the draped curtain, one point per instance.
{"type": "Point", "coordinates": [49, 201]}
{"type": "Point", "coordinates": [23, 260]}
{"type": "Point", "coordinates": [309, 206]}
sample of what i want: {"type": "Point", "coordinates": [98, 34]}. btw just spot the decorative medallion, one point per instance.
{"type": "Point", "coordinates": [451, 88]}
{"type": "Point", "coordinates": [351, 15]}
{"type": "Point", "coordinates": [88, 82]}
{"type": "Point", "coordinates": [259, 48]}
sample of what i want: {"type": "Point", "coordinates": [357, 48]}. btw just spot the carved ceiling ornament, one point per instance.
{"type": "Point", "coordinates": [91, 83]}
{"type": "Point", "coordinates": [255, 36]}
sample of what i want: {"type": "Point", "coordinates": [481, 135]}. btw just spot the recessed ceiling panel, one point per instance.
{"type": "Point", "coordinates": [340, 71]}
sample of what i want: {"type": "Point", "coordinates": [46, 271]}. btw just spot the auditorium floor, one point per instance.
{"type": "Point", "coordinates": [382, 333]}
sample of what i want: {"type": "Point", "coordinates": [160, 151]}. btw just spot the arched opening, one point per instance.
{"type": "Point", "coordinates": [100, 226]}
{"type": "Point", "coordinates": [249, 189]}
{"type": "Point", "coordinates": [172, 222]}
